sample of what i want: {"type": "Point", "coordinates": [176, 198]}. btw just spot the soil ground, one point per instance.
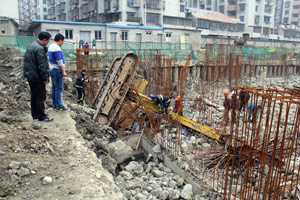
{"type": "Point", "coordinates": [32, 150]}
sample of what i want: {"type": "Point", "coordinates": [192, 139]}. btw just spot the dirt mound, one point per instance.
{"type": "Point", "coordinates": [44, 160]}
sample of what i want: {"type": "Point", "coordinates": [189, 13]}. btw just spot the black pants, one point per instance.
{"type": "Point", "coordinates": [38, 97]}
{"type": "Point", "coordinates": [80, 95]}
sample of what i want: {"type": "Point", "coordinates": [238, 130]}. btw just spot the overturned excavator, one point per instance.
{"type": "Point", "coordinates": [120, 101]}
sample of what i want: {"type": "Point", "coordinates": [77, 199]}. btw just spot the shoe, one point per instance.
{"type": "Point", "coordinates": [46, 119]}
{"type": "Point", "coordinates": [62, 109]}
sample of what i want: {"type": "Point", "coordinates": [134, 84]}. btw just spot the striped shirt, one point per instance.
{"type": "Point", "coordinates": [56, 56]}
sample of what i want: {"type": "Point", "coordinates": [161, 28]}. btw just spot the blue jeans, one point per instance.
{"type": "Point", "coordinates": [57, 88]}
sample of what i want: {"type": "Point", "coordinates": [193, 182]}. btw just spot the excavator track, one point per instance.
{"type": "Point", "coordinates": [114, 88]}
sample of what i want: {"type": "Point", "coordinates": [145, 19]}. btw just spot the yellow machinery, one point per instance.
{"type": "Point", "coordinates": [121, 95]}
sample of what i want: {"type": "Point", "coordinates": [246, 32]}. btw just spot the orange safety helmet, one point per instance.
{"type": "Point", "coordinates": [178, 98]}
{"type": "Point", "coordinates": [225, 92]}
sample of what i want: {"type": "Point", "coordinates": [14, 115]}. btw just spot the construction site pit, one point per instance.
{"type": "Point", "coordinates": [257, 159]}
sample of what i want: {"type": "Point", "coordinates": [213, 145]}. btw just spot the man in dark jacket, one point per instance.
{"type": "Point", "coordinates": [80, 87]}
{"type": "Point", "coordinates": [36, 70]}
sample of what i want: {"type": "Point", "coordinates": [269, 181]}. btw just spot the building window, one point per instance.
{"type": "Point", "coordinates": [98, 35]}
{"type": "Point", "coordinates": [287, 4]}
{"type": "Point", "coordinates": [242, 7]}
{"type": "Point", "coordinates": [181, 8]}
{"type": "Point", "coordinates": [124, 35]}
{"type": "Point", "coordinates": [152, 18]}
{"type": "Point", "coordinates": [195, 4]}
{"type": "Point", "coordinates": [221, 9]}
{"type": "Point", "coordinates": [69, 34]}
{"type": "Point", "coordinates": [286, 20]}
{"type": "Point", "coordinates": [168, 37]}
{"type": "Point", "coordinates": [286, 12]}
{"type": "Point", "coordinates": [256, 8]}
{"type": "Point", "coordinates": [242, 18]}
{"type": "Point", "coordinates": [267, 19]}
{"type": "Point", "coordinates": [45, 17]}
{"type": "Point", "coordinates": [187, 38]}
{"type": "Point", "coordinates": [256, 19]}
{"type": "Point", "coordinates": [256, 29]}
{"type": "Point", "coordinates": [44, 1]}
{"type": "Point", "coordinates": [45, 9]}
{"type": "Point", "coordinates": [3, 32]}
{"type": "Point", "coordinates": [296, 7]}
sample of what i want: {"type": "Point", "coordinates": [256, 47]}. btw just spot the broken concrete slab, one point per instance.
{"type": "Point", "coordinates": [119, 150]}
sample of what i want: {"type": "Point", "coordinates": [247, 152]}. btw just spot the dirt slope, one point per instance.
{"type": "Point", "coordinates": [32, 150]}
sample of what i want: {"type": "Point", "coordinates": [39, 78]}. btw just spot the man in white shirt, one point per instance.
{"type": "Point", "coordinates": [57, 71]}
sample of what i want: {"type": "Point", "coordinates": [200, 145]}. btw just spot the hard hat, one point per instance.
{"type": "Point", "coordinates": [178, 98]}
{"type": "Point", "coordinates": [151, 96]}
{"type": "Point", "coordinates": [225, 92]}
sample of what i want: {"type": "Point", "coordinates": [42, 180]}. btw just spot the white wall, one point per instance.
{"type": "Point", "coordinates": [76, 30]}
{"type": "Point", "coordinates": [177, 34]}
{"type": "Point", "coordinates": [9, 8]}
{"type": "Point", "coordinates": [172, 8]}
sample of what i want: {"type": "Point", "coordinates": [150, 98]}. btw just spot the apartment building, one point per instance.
{"type": "Point", "coordinates": [41, 10]}
{"type": "Point", "coordinates": [9, 9]}
{"type": "Point", "coordinates": [257, 15]}
{"type": "Point", "coordinates": [27, 10]}
{"type": "Point", "coordinates": [290, 12]}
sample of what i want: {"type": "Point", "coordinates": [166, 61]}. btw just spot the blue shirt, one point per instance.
{"type": "Point", "coordinates": [56, 56]}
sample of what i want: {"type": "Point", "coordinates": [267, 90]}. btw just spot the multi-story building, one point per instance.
{"type": "Point", "coordinates": [32, 9]}
{"type": "Point", "coordinates": [41, 10]}
{"type": "Point", "coordinates": [26, 11]}
{"type": "Point", "coordinates": [290, 12]}
{"type": "Point", "coordinates": [257, 15]}
{"type": "Point", "coordinates": [9, 9]}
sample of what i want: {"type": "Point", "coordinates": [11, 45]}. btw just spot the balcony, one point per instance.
{"type": "Point", "coordinates": [92, 6]}
{"type": "Point", "coordinates": [134, 4]}
{"type": "Point", "coordinates": [84, 8]}
{"type": "Point", "coordinates": [133, 19]}
{"type": "Point", "coordinates": [295, 19]}
{"type": "Point", "coordinates": [74, 2]}
{"type": "Point", "coordinates": [62, 17]}
{"type": "Point", "coordinates": [231, 8]}
{"type": "Point", "coordinates": [153, 4]}
{"type": "Point", "coordinates": [296, 11]}
{"type": "Point", "coordinates": [296, 3]}
{"type": "Point", "coordinates": [51, 2]}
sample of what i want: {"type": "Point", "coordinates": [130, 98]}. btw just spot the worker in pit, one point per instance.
{"type": "Point", "coordinates": [244, 98]}
{"type": "Point", "coordinates": [80, 81]}
{"type": "Point", "coordinates": [227, 107]}
{"type": "Point", "coordinates": [162, 101]}
{"type": "Point", "coordinates": [178, 106]}
{"type": "Point", "coordinates": [253, 108]}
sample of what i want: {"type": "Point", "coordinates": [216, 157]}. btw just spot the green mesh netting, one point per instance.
{"type": "Point", "coordinates": [217, 51]}
{"type": "Point", "coordinates": [147, 51]}
{"type": "Point", "coordinates": [21, 43]}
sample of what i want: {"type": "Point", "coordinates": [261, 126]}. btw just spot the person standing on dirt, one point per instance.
{"type": "Point", "coordinates": [57, 71]}
{"type": "Point", "coordinates": [80, 81]}
{"type": "Point", "coordinates": [36, 70]}
{"type": "Point", "coordinates": [227, 107]}
{"type": "Point", "coordinates": [178, 107]}
{"type": "Point", "coordinates": [86, 49]}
